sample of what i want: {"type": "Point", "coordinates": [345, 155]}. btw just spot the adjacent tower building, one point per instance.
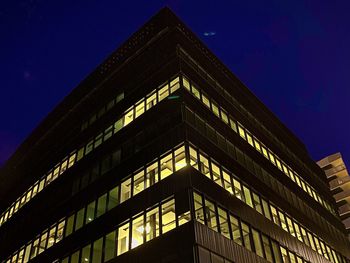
{"type": "Point", "coordinates": [163, 155]}
{"type": "Point", "coordinates": [339, 183]}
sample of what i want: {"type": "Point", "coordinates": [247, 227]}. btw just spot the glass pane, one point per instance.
{"type": "Point", "coordinates": [123, 239]}
{"type": "Point", "coordinates": [290, 226]}
{"type": "Point", "coordinates": [274, 215]}
{"type": "Point", "coordinates": [52, 237]}
{"type": "Point", "coordinates": [70, 225]}
{"type": "Point", "coordinates": [113, 198]}
{"type": "Point", "coordinates": [257, 203]}
{"type": "Point", "coordinates": [151, 174]}
{"type": "Point", "coordinates": [276, 252]}
{"type": "Point", "coordinates": [59, 234]}
{"type": "Point", "coordinates": [267, 248]}
{"type": "Point", "coordinates": [185, 83]}
{"type": "Point", "coordinates": [227, 181]}
{"type": "Point", "coordinates": [125, 190]}
{"type": "Point", "coordinates": [128, 117]}
{"type": "Point", "coordinates": [163, 92]}
{"type": "Point", "coordinates": [246, 236]}
{"type": "Point", "coordinates": [85, 254]}
{"type": "Point", "coordinates": [266, 209]}
{"type": "Point", "coordinates": [247, 196]}
{"type": "Point", "coordinates": [140, 109]}
{"type": "Point", "coordinates": [138, 230]}
{"type": "Point", "coordinates": [90, 212]}
{"type": "Point", "coordinates": [109, 246]}
{"type": "Point", "coordinates": [236, 233]}
{"type": "Point", "coordinates": [168, 216]}
{"type": "Point", "coordinates": [250, 139]}
{"type": "Point", "coordinates": [237, 188]}
{"type": "Point", "coordinates": [75, 257]}
{"type": "Point", "coordinates": [193, 158]}
{"type": "Point", "coordinates": [241, 131]}
{"type": "Point", "coordinates": [205, 100]}
{"type": "Point", "coordinates": [215, 108]}
{"type": "Point", "coordinates": [284, 253]}
{"type": "Point", "coordinates": [151, 101]}
{"type": "Point", "coordinates": [204, 165]}
{"type": "Point", "coordinates": [210, 215]}
{"type": "Point", "coordinates": [180, 158]}
{"type": "Point", "coordinates": [80, 219]}
{"type": "Point", "coordinates": [216, 173]}
{"type": "Point", "coordinates": [97, 251]}
{"type": "Point", "coordinates": [198, 208]}
{"type": "Point", "coordinates": [195, 92]}
{"type": "Point", "coordinates": [139, 182]}
{"type": "Point", "coordinates": [152, 224]}
{"type": "Point", "coordinates": [166, 166]}
{"type": "Point", "coordinates": [101, 205]}
{"type": "Point", "coordinates": [223, 223]}
{"type": "Point", "coordinates": [184, 218]}
{"type": "Point", "coordinates": [43, 241]}
{"type": "Point", "coordinates": [257, 243]}
{"type": "Point", "coordinates": [283, 221]}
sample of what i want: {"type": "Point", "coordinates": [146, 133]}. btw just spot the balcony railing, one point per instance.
{"type": "Point", "coordinates": [342, 195]}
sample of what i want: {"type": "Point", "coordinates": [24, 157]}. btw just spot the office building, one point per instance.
{"type": "Point", "coordinates": [339, 183]}
{"type": "Point", "coordinates": [162, 155]}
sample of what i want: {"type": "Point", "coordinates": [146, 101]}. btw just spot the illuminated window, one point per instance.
{"type": "Point", "coordinates": [125, 190]}
{"type": "Point", "coordinates": [89, 147]}
{"type": "Point", "coordinates": [97, 251]}
{"type": "Point", "coordinates": [110, 245]}
{"type": "Point", "coordinates": [249, 139]}
{"type": "Point", "coordinates": [90, 212]}
{"type": "Point", "coordinates": [70, 225]}
{"type": "Point", "coordinates": [193, 158]}
{"type": "Point", "coordinates": [139, 182]}
{"type": "Point", "coordinates": [42, 244]}
{"type": "Point", "coordinates": [128, 116]}
{"type": "Point", "coordinates": [52, 236]}
{"type": "Point", "coordinates": [257, 203]}
{"type": "Point", "coordinates": [195, 92]}
{"type": "Point", "coordinates": [233, 124]}
{"type": "Point", "coordinates": [224, 116]}
{"type": "Point", "coordinates": [257, 145]}
{"type": "Point", "coordinates": [174, 85]}
{"type": "Point", "coordinates": [267, 248]}
{"type": "Point", "coordinates": [237, 188]}
{"type": "Point", "coordinates": [198, 208]}
{"type": "Point", "coordinates": [140, 108]}
{"type": "Point", "coordinates": [241, 131]}
{"type": "Point", "coordinates": [204, 165]}
{"type": "Point", "coordinates": [285, 170]}
{"type": "Point", "coordinates": [276, 252]}
{"type": "Point", "coordinates": [247, 196]}
{"type": "Point", "coordinates": [274, 215]}
{"type": "Point", "coordinates": [180, 158]}
{"type": "Point", "coordinates": [79, 221]}
{"type": "Point", "coordinates": [108, 133]}
{"type": "Point", "coordinates": [168, 216]}
{"type": "Point", "coordinates": [297, 231]}
{"type": "Point", "coordinates": [246, 236]}
{"type": "Point", "coordinates": [184, 218]}
{"type": "Point", "coordinates": [264, 151]}
{"type": "Point", "coordinates": [152, 224]}
{"type": "Point", "coordinates": [278, 164]}
{"type": "Point", "coordinates": [113, 198]}
{"type": "Point", "coordinates": [215, 108]}
{"type": "Point", "coordinates": [205, 100]}
{"type": "Point", "coordinates": [85, 254]}
{"type": "Point", "coordinates": [292, 257]}
{"type": "Point", "coordinates": [123, 239]}
{"type": "Point", "coordinates": [283, 221]}
{"type": "Point", "coordinates": [223, 223]}
{"type": "Point", "coordinates": [64, 166]}
{"type": "Point", "coordinates": [151, 101]}
{"type": "Point", "coordinates": [272, 158]}
{"type": "Point", "coordinates": [266, 209]}
{"type": "Point", "coordinates": [166, 166]}
{"type": "Point", "coordinates": [236, 232]}
{"type": "Point", "coordinates": [210, 215]}
{"type": "Point", "coordinates": [60, 228]}
{"type": "Point", "coordinates": [151, 174]}
{"type": "Point", "coordinates": [118, 125]}
{"type": "Point", "coordinates": [101, 205]}
{"type": "Point", "coordinates": [75, 257]}
{"type": "Point", "coordinates": [34, 250]}
{"type": "Point", "coordinates": [311, 241]}
{"type": "Point", "coordinates": [227, 181]}
{"type": "Point", "coordinates": [137, 231]}
{"type": "Point", "coordinates": [284, 255]}
{"type": "Point", "coordinates": [98, 140]}
{"type": "Point", "coordinates": [186, 83]}
{"type": "Point", "coordinates": [317, 245]}
{"type": "Point", "coordinates": [163, 92]}
{"type": "Point", "coordinates": [304, 235]}
{"type": "Point", "coordinates": [257, 243]}
{"type": "Point", "coordinates": [216, 173]}
{"type": "Point", "coordinates": [290, 226]}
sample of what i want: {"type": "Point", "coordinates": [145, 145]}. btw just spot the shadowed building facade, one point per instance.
{"type": "Point", "coordinates": [339, 183]}
{"type": "Point", "coordinates": [163, 155]}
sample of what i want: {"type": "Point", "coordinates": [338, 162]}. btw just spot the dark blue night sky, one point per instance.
{"type": "Point", "coordinates": [294, 55]}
